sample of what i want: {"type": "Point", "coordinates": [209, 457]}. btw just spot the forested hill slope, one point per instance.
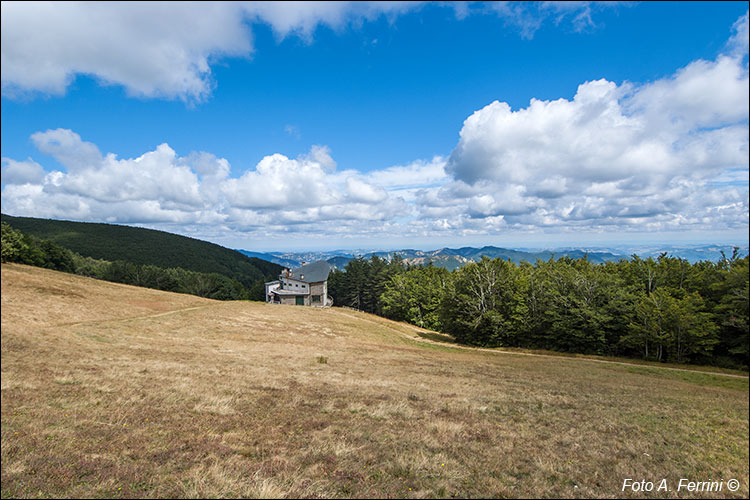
{"type": "Point", "coordinates": [146, 246]}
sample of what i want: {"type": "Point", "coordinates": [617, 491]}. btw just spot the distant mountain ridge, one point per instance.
{"type": "Point", "coordinates": [449, 258]}
{"type": "Point", "coordinates": [453, 258]}
{"type": "Point", "coordinates": [146, 246]}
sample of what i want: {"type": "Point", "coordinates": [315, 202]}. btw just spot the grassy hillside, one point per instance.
{"type": "Point", "coordinates": [115, 391]}
{"type": "Point", "coordinates": [146, 246]}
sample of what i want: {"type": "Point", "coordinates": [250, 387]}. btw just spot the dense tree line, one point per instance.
{"type": "Point", "coordinates": [26, 249]}
{"type": "Point", "coordinates": [663, 309]}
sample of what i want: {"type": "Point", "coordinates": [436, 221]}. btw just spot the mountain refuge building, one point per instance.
{"type": "Point", "coordinates": [306, 285]}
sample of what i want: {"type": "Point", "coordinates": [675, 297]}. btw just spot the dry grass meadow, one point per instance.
{"type": "Point", "coordinates": [120, 392]}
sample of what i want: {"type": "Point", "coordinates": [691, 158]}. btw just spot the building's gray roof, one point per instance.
{"type": "Point", "coordinates": [312, 273]}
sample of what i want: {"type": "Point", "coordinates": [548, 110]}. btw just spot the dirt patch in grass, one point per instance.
{"type": "Point", "coordinates": [116, 391]}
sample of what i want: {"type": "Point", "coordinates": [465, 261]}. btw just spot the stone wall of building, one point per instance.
{"type": "Point", "coordinates": [288, 300]}
{"type": "Point", "coordinates": [320, 290]}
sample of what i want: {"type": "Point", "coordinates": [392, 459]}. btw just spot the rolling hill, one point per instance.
{"type": "Point", "coordinates": [146, 246]}
{"type": "Point", "coordinates": [110, 390]}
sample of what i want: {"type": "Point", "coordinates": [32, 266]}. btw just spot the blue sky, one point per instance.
{"type": "Point", "coordinates": [340, 125]}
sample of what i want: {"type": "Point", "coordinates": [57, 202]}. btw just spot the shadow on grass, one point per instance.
{"type": "Point", "coordinates": [700, 375]}
{"type": "Point", "coordinates": [693, 377]}
{"type": "Point", "coordinates": [437, 337]}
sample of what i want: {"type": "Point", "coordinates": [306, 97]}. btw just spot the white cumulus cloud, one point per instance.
{"type": "Point", "coordinates": [279, 182]}
{"type": "Point", "coordinates": [166, 49]}
{"type": "Point", "coordinates": [670, 154]}
{"type": "Point", "coordinates": [161, 187]}
{"type": "Point", "coordinates": [21, 172]}
{"type": "Point", "coordinates": [152, 49]}
{"type": "Point", "coordinates": [626, 154]}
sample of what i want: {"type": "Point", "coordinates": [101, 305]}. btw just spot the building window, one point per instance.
{"type": "Point", "coordinates": [316, 299]}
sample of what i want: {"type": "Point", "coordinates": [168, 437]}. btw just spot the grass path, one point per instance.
{"type": "Point", "coordinates": [134, 318]}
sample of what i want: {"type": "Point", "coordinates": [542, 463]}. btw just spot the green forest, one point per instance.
{"type": "Point", "coordinates": [141, 246]}
{"type": "Point", "coordinates": [247, 283]}
{"type": "Point", "coordinates": [663, 309]}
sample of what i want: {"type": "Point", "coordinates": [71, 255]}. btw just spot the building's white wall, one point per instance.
{"type": "Point", "coordinates": [295, 285]}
